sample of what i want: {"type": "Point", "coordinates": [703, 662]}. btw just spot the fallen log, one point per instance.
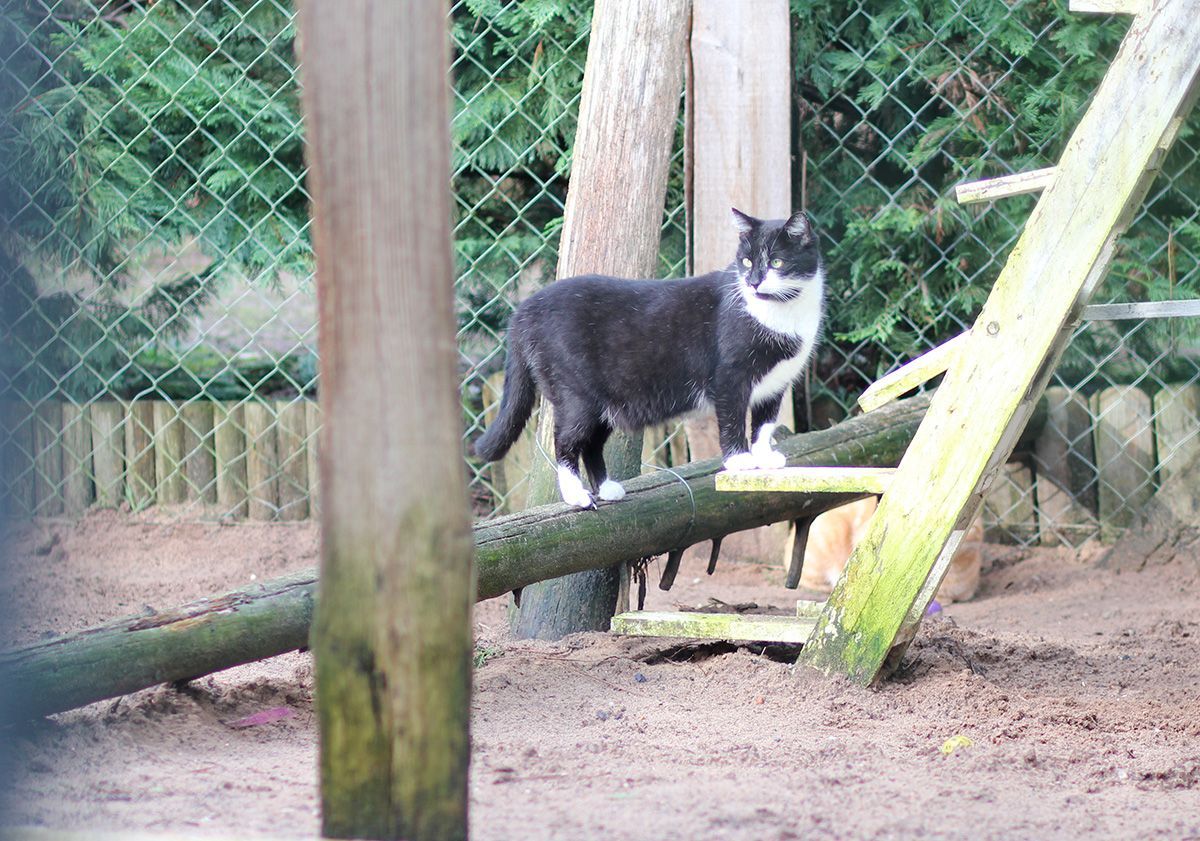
{"type": "Point", "coordinates": [664, 511]}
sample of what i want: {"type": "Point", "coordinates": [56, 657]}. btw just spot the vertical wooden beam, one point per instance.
{"type": "Point", "coordinates": [139, 454]}
{"type": "Point", "coordinates": [632, 85]}
{"type": "Point", "coordinates": [973, 424]}
{"type": "Point", "coordinates": [108, 451]}
{"type": "Point", "coordinates": [78, 489]}
{"type": "Point", "coordinates": [1176, 428]}
{"type": "Point", "coordinates": [47, 458]}
{"type": "Point", "coordinates": [1009, 514]}
{"type": "Point", "coordinates": [1064, 458]}
{"type": "Point", "coordinates": [741, 157]}
{"type": "Point", "coordinates": [262, 460]}
{"type": "Point", "coordinates": [312, 424]}
{"type": "Point", "coordinates": [1124, 456]}
{"type": "Point", "coordinates": [199, 456]}
{"type": "Point", "coordinates": [171, 487]}
{"type": "Point", "coordinates": [293, 459]}
{"type": "Point", "coordinates": [18, 459]}
{"type": "Point", "coordinates": [229, 443]}
{"type": "Point", "coordinates": [392, 632]}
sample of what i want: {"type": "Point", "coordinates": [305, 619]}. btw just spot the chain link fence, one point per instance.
{"type": "Point", "coordinates": [159, 345]}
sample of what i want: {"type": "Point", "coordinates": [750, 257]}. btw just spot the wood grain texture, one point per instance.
{"type": "Point", "coordinates": [986, 396]}
{"type": "Point", "coordinates": [740, 113]}
{"type": "Point", "coordinates": [866, 480]}
{"type": "Point", "coordinates": [1124, 456]}
{"type": "Point", "coordinates": [139, 454]}
{"type": "Point", "coordinates": [199, 456]}
{"type": "Point", "coordinates": [1018, 184]}
{"type": "Point", "coordinates": [912, 374]}
{"type": "Point", "coordinates": [229, 444]}
{"type": "Point", "coordinates": [262, 460]}
{"type": "Point", "coordinates": [48, 459]}
{"type": "Point", "coordinates": [632, 86]}
{"type": "Point", "coordinates": [1064, 460]}
{"type": "Point", "coordinates": [170, 487]}
{"type": "Point", "coordinates": [78, 489]}
{"type": "Point", "coordinates": [108, 451]}
{"type": "Point", "coordinates": [1009, 513]}
{"type": "Point", "coordinates": [1176, 428]}
{"type": "Point", "coordinates": [392, 632]}
{"type": "Point", "coordinates": [291, 437]}
{"type": "Point", "coordinates": [312, 424]}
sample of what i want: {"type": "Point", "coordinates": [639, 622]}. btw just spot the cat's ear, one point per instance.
{"type": "Point", "coordinates": [742, 221]}
{"type": "Point", "coordinates": [799, 227]}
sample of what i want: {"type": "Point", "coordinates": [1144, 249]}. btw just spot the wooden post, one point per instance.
{"type": "Point", "coordinates": [1176, 428]}
{"type": "Point", "coordinates": [1066, 473]}
{"type": "Point", "coordinates": [139, 454]}
{"type": "Point", "coordinates": [47, 458]}
{"type": "Point", "coordinates": [262, 460]}
{"type": "Point", "coordinates": [108, 452]}
{"type": "Point", "coordinates": [229, 437]}
{"type": "Point", "coordinates": [1124, 456]}
{"type": "Point", "coordinates": [312, 424]}
{"type": "Point", "coordinates": [741, 116]}
{"type": "Point", "coordinates": [293, 460]}
{"type": "Point", "coordinates": [171, 488]}
{"type": "Point", "coordinates": [199, 457]}
{"type": "Point", "coordinates": [990, 389]}
{"type": "Point", "coordinates": [392, 632]}
{"type": "Point", "coordinates": [632, 85]}
{"type": "Point", "coordinates": [78, 490]}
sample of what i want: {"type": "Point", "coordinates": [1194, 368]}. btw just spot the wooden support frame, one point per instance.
{"type": "Point", "coordinates": [973, 422]}
{"type": "Point", "coordinates": [907, 377]}
{"type": "Point", "coordinates": [740, 627]}
{"type": "Point", "coordinates": [1004, 186]}
{"type": "Point", "coordinates": [861, 480]}
{"type": "Point", "coordinates": [1108, 7]}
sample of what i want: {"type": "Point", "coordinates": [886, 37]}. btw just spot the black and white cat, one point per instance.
{"type": "Point", "coordinates": [610, 353]}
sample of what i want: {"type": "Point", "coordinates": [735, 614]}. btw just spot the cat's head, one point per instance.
{"type": "Point", "coordinates": [777, 260]}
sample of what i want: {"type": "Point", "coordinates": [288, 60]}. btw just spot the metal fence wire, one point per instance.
{"type": "Point", "coordinates": [159, 339]}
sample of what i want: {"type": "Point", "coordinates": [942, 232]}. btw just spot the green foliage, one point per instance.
{"type": "Point", "coordinates": [899, 102]}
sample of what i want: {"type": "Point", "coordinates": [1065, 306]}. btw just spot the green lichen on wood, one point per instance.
{"type": "Point", "coordinates": [722, 626]}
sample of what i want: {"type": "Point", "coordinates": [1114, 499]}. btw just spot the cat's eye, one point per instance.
{"type": "Point", "coordinates": [777, 263]}
{"type": "Point", "coordinates": [746, 262]}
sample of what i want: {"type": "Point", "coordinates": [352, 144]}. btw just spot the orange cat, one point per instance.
{"type": "Point", "coordinates": [835, 533]}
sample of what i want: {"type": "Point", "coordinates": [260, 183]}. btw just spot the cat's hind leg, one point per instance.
{"type": "Point", "coordinates": [593, 461]}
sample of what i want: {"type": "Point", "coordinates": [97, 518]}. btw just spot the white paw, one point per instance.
{"type": "Point", "coordinates": [741, 461]}
{"type": "Point", "coordinates": [768, 459]}
{"type": "Point", "coordinates": [572, 489]}
{"type": "Point", "coordinates": [611, 491]}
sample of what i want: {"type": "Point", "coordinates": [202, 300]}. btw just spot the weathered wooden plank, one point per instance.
{"type": "Point", "coordinates": [140, 480]}
{"type": "Point", "coordinates": [628, 109]}
{"type": "Point", "coordinates": [1107, 7]}
{"type": "Point", "coordinates": [1064, 460]}
{"type": "Point", "coordinates": [199, 450]}
{"type": "Point", "coordinates": [739, 104]}
{"type": "Point", "coordinates": [108, 451]}
{"type": "Point", "coordinates": [721, 626]}
{"type": "Point", "coordinates": [229, 444]}
{"type": "Point", "coordinates": [1141, 310]}
{"type": "Point", "coordinates": [907, 377]}
{"type": "Point", "coordinates": [78, 488]}
{"type": "Point", "coordinates": [1009, 514]}
{"type": "Point", "coordinates": [1124, 456]}
{"type": "Point", "coordinates": [867, 480]}
{"type": "Point", "coordinates": [988, 392]}
{"type": "Point", "coordinates": [262, 460]}
{"type": "Point", "coordinates": [510, 475]}
{"type": "Point", "coordinates": [291, 434]}
{"type": "Point", "coordinates": [1176, 428]}
{"type": "Point", "coordinates": [18, 459]}
{"type": "Point", "coordinates": [1003, 186]}
{"type": "Point", "coordinates": [48, 458]}
{"type": "Point", "coordinates": [171, 485]}
{"type": "Point", "coordinates": [312, 423]}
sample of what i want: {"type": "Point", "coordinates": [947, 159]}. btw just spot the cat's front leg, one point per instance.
{"type": "Point", "coordinates": [763, 417]}
{"type": "Point", "coordinates": [731, 404]}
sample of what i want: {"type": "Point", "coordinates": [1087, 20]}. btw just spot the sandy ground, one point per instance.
{"type": "Point", "coordinates": [1078, 686]}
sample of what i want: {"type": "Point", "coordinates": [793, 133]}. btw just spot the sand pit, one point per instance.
{"type": "Point", "coordinates": [1077, 686]}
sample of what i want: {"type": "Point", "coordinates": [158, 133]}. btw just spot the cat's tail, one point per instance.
{"type": "Point", "coordinates": [515, 408]}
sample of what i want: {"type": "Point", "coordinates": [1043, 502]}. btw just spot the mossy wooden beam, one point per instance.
{"type": "Point", "coordinates": [1003, 186]}
{"type": "Point", "coordinates": [1013, 347]}
{"type": "Point", "coordinates": [1107, 7]}
{"type": "Point", "coordinates": [663, 511]}
{"type": "Point", "coordinates": [907, 377]}
{"type": "Point", "coordinates": [718, 626]}
{"type": "Point", "coordinates": [860, 480]}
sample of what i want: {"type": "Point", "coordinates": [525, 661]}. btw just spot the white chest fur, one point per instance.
{"type": "Point", "coordinates": [799, 318]}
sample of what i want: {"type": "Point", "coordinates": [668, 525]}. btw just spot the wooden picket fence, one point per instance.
{"type": "Point", "coordinates": [1099, 459]}
{"type": "Point", "coordinates": [254, 459]}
